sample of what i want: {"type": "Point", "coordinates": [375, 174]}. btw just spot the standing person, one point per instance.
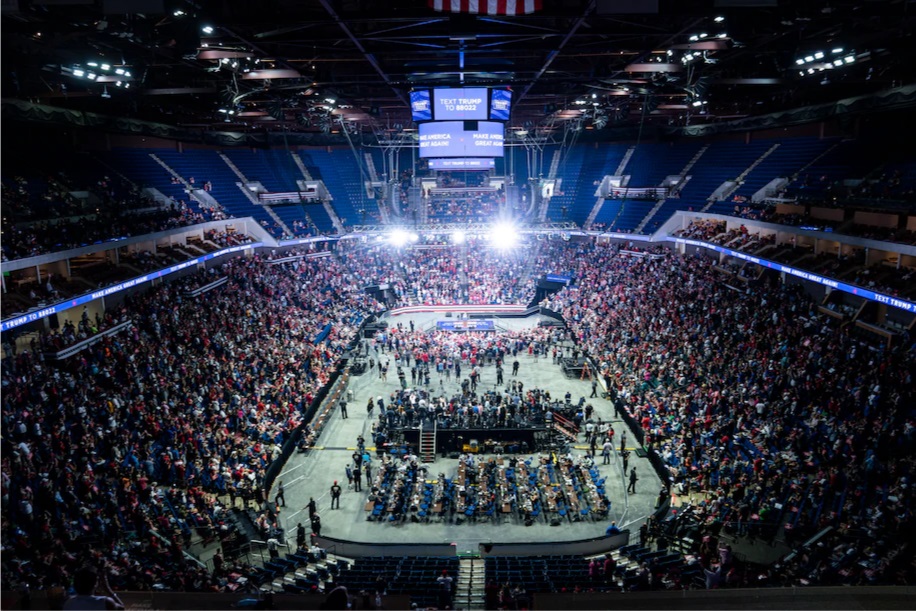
{"type": "Point", "coordinates": [515, 367]}
{"type": "Point", "coordinates": [85, 582]}
{"type": "Point", "coordinates": [631, 489]}
{"type": "Point", "coordinates": [273, 547]}
{"type": "Point", "coordinates": [623, 442]}
{"type": "Point", "coordinates": [300, 535]}
{"type": "Point", "coordinates": [357, 480]}
{"type": "Point", "coordinates": [349, 477]}
{"type": "Point", "coordinates": [312, 507]}
{"type": "Point", "coordinates": [369, 407]}
{"type": "Point", "coordinates": [625, 455]}
{"type": "Point", "coordinates": [316, 525]}
{"type": "Point", "coordinates": [445, 590]}
{"type": "Point", "coordinates": [335, 495]}
{"type": "Point", "coordinates": [368, 468]}
{"type": "Point", "coordinates": [280, 496]}
{"type": "Point", "coordinates": [606, 452]}
{"type": "Point", "coordinates": [594, 389]}
{"type": "Point", "coordinates": [343, 409]}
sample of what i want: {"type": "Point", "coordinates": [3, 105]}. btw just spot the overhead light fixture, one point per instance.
{"type": "Point", "coordinates": [79, 73]}
{"type": "Point", "coordinates": [703, 35]}
{"type": "Point", "coordinates": [126, 85]}
{"type": "Point", "coordinates": [207, 29]}
{"type": "Point", "coordinates": [838, 62]}
{"type": "Point", "coordinates": [849, 59]}
{"type": "Point", "coordinates": [127, 73]}
{"type": "Point", "coordinates": [697, 103]}
{"type": "Point", "coordinates": [106, 67]}
{"type": "Point", "coordinates": [837, 50]}
{"type": "Point", "coordinates": [810, 70]}
{"type": "Point", "coordinates": [178, 13]}
{"type": "Point", "coordinates": [719, 19]}
{"type": "Point", "coordinates": [800, 62]}
{"type": "Point", "coordinates": [722, 35]}
{"type": "Point", "coordinates": [91, 76]}
{"type": "Point", "coordinates": [809, 58]}
{"type": "Point", "coordinates": [92, 64]}
{"type": "Point", "coordinates": [118, 84]}
{"type": "Point", "coordinates": [330, 100]}
{"type": "Point", "coordinates": [119, 71]}
{"type": "Point", "coordinates": [694, 38]}
{"type": "Point", "coordinates": [819, 55]}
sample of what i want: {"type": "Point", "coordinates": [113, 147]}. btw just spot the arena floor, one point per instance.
{"type": "Point", "coordinates": [313, 474]}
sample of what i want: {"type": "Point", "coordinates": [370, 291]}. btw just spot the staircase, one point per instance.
{"type": "Point", "coordinates": [471, 585]}
{"type": "Point", "coordinates": [565, 427]}
{"type": "Point", "coordinates": [251, 197]}
{"type": "Point", "coordinates": [648, 217]}
{"type": "Point", "coordinates": [370, 166]}
{"type": "Point", "coordinates": [622, 166]}
{"type": "Point", "coordinates": [555, 163]}
{"type": "Point", "coordinates": [172, 172]}
{"type": "Point", "coordinates": [690, 164]}
{"type": "Point", "coordinates": [428, 443]}
{"type": "Point", "coordinates": [298, 161]}
{"type": "Point", "coordinates": [737, 184]}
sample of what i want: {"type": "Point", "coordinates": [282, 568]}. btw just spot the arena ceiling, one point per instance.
{"type": "Point", "coordinates": [348, 65]}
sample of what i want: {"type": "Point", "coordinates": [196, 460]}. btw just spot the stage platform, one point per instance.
{"type": "Point", "coordinates": [312, 474]}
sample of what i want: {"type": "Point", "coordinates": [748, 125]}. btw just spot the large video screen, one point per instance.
{"type": "Point", "coordinates": [461, 139]}
{"type": "Point", "coordinates": [465, 104]}
{"type": "Point", "coordinates": [420, 107]}
{"type": "Point", "coordinates": [500, 103]}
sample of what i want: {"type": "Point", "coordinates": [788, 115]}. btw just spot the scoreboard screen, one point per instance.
{"type": "Point", "coordinates": [461, 139]}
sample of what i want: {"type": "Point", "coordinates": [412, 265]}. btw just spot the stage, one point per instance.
{"type": "Point", "coordinates": [312, 474]}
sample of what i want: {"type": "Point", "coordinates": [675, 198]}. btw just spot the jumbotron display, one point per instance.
{"type": "Point", "coordinates": [461, 139]}
{"type": "Point", "coordinates": [460, 104]}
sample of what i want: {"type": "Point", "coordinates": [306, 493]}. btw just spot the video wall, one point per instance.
{"type": "Point", "coordinates": [460, 104]}
{"type": "Point", "coordinates": [461, 123]}
{"type": "Point", "coordinates": [461, 139]}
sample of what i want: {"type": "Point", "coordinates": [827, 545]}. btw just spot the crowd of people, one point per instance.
{"type": "Point", "coordinates": [123, 451]}
{"type": "Point", "coordinates": [789, 424]}
{"type": "Point", "coordinates": [736, 392]}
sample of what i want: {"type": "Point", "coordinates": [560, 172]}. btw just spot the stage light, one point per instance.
{"type": "Point", "coordinates": [837, 50]}
{"type": "Point", "coordinates": [398, 238]}
{"type": "Point", "coordinates": [458, 237]}
{"type": "Point", "coordinates": [719, 19]}
{"type": "Point", "coordinates": [207, 29]}
{"type": "Point", "coordinates": [414, 237]}
{"type": "Point", "coordinates": [503, 236]}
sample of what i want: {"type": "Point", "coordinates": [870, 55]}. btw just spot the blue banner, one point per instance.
{"type": "Point", "coordinates": [420, 108]}
{"type": "Point", "coordinates": [500, 102]}
{"type": "Point", "coordinates": [12, 323]}
{"type": "Point", "coordinates": [896, 302]}
{"type": "Point", "coordinates": [562, 279]}
{"type": "Point", "coordinates": [466, 325]}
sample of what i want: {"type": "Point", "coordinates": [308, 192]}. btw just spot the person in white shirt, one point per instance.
{"type": "Point", "coordinates": [85, 582]}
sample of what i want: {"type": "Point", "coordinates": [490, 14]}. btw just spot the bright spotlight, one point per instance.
{"type": "Point", "coordinates": [398, 238]}
{"type": "Point", "coordinates": [414, 238]}
{"type": "Point", "coordinates": [458, 237]}
{"type": "Point", "coordinates": [504, 236]}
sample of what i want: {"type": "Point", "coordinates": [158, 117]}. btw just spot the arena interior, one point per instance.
{"type": "Point", "coordinates": [467, 304]}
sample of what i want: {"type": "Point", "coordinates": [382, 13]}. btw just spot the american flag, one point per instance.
{"type": "Point", "coordinates": [486, 7]}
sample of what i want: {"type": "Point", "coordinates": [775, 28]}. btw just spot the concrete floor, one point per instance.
{"type": "Point", "coordinates": [313, 474]}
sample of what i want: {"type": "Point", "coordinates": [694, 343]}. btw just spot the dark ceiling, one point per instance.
{"type": "Point", "coordinates": [348, 64]}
